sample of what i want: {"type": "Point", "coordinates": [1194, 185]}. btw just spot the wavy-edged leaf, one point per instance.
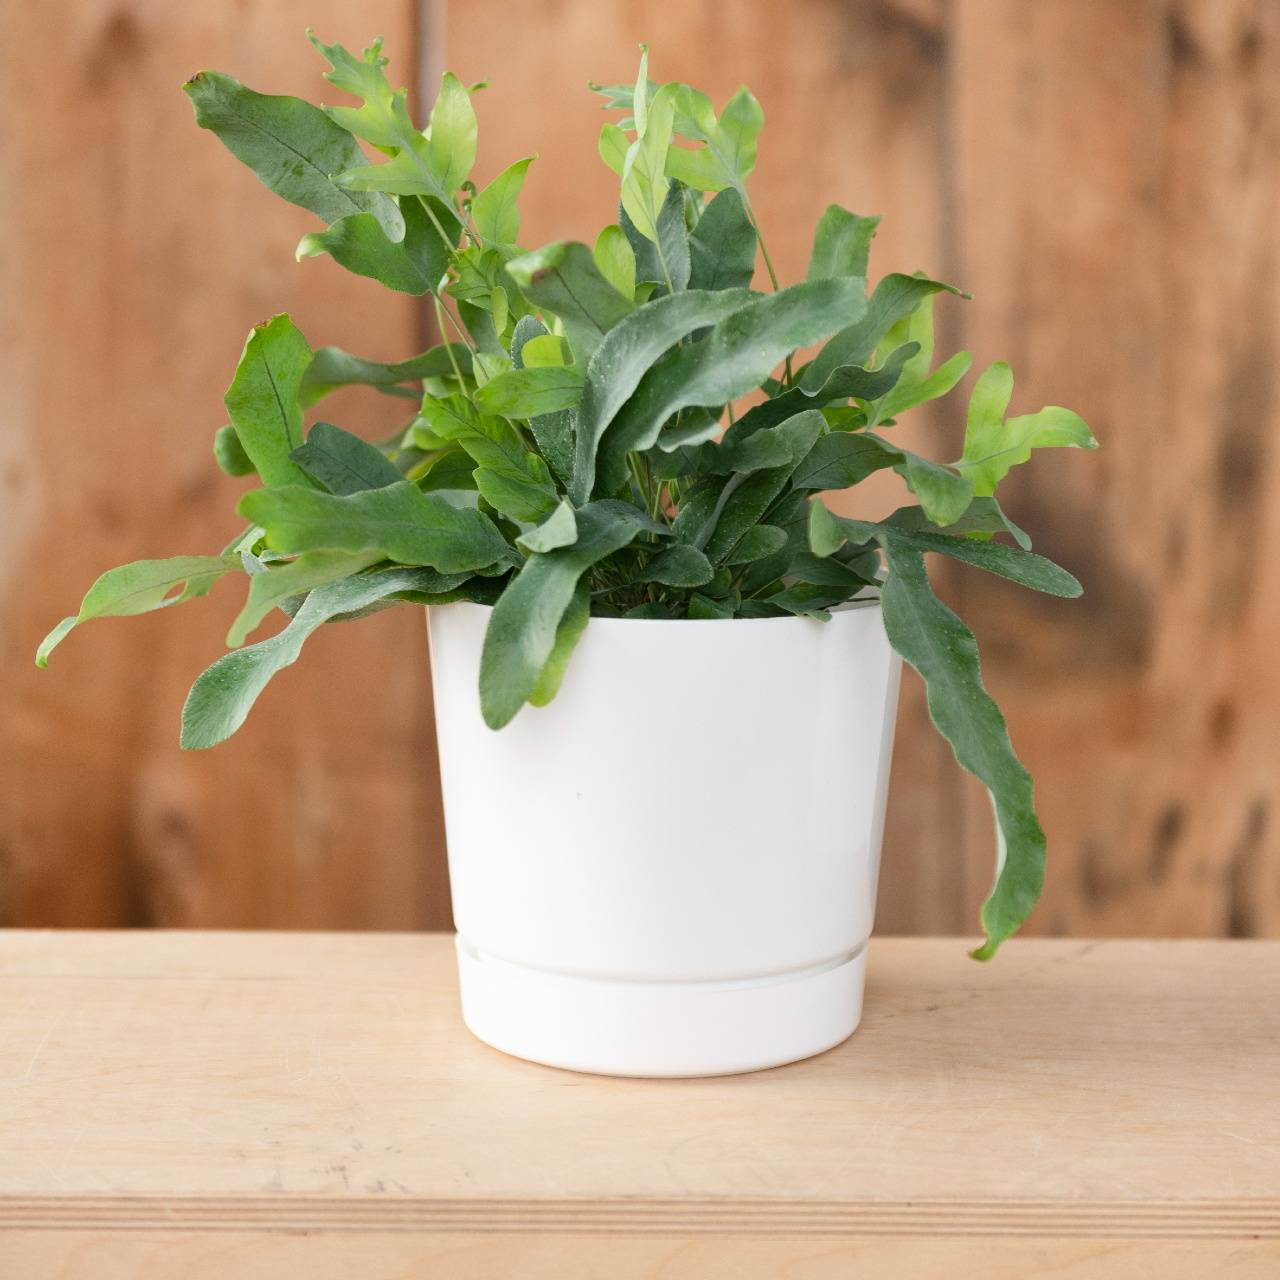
{"type": "Point", "coordinates": [735, 357]}
{"type": "Point", "coordinates": [781, 446]}
{"type": "Point", "coordinates": [291, 579]}
{"type": "Point", "coordinates": [626, 354]}
{"type": "Point", "coordinates": [522, 629]}
{"type": "Point", "coordinates": [563, 279]}
{"type": "Point", "coordinates": [398, 521]}
{"type": "Point", "coordinates": [529, 392]}
{"type": "Point", "coordinates": [983, 517]}
{"type": "Point", "coordinates": [496, 209]}
{"type": "Point", "coordinates": [223, 696]}
{"type": "Point", "coordinates": [331, 369]}
{"type": "Point", "coordinates": [841, 244]}
{"type": "Point", "coordinates": [993, 445]}
{"type": "Point", "coordinates": [293, 148]}
{"type": "Point", "coordinates": [895, 296]}
{"type": "Point", "coordinates": [722, 247]}
{"type": "Point", "coordinates": [263, 399]}
{"type": "Point", "coordinates": [344, 463]}
{"type": "Point", "coordinates": [139, 588]}
{"type": "Point", "coordinates": [942, 649]}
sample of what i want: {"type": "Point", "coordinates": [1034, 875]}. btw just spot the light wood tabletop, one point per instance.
{"type": "Point", "coordinates": [279, 1105]}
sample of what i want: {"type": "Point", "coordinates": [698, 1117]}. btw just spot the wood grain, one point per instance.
{"type": "Point", "coordinates": [139, 254]}
{"type": "Point", "coordinates": [322, 1088]}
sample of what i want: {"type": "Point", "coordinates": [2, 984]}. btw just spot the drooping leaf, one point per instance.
{"type": "Point", "coordinates": [626, 354]}
{"type": "Point", "coordinates": [722, 247]}
{"type": "Point", "coordinates": [495, 209]}
{"type": "Point", "coordinates": [528, 392]}
{"type": "Point", "coordinates": [841, 244]}
{"type": "Point", "coordinates": [559, 529]}
{"type": "Point", "coordinates": [398, 521]}
{"type": "Point", "coordinates": [735, 357]}
{"type": "Point", "coordinates": [139, 588]}
{"type": "Point", "coordinates": [343, 463]}
{"type": "Point", "coordinates": [522, 629]}
{"type": "Point", "coordinates": [573, 622]}
{"type": "Point", "coordinates": [263, 399]}
{"type": "Point", "coordinates": [293, 578]}
{"type": "Point", "coordinates": [331, 368]}
{"type": "Point", "coordinates": [942, 649]}
{"type": "Point", "coordinates": [230, 454]}
{"type": "Point", "coordinates": [223, 696]}
{"type": "Point", "coordinates": [413, 265]}
{"type": "Point", "coordinates": [994, 445]}
{"type": "Point", "coordinates": [293, 147]}
{"type": "Point", "coordinates": [564, 280]}
{"type": "Point", "coordinates": [894, 297]}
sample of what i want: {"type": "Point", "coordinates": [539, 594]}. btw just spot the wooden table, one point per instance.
{"type": "Point", "coordinates": [308, 1105]}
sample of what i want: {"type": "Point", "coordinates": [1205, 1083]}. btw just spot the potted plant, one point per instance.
{"type": "Point", "coordinates": [612, 478]}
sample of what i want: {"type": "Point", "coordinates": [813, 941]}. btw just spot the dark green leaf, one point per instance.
{"type": "Point", "coordinates": [293, 147]}
{"type": "Point", "coordinates": [528, 393]}
{"type": "Point", "coordinates": [842, 459]}
{"type": "Point", "coordinates": [722, 247]}
{"type": "Point", "coordinates": [755, 544]}
{"type": "Point", "coordinates": [573, 623]}
{"type": "Point", "coordinates": [343, 463]}
{"type": "Point", "coordinates": [332, 368]}
{"type": "Point", "coordinates": [563, 279]}
{"type": "Point", "coordinates": [223, 696]}
{"type": "Point", "coordinates": [679, 565]}
{"type": "Point", "coordinates": [522, 630]}
{"type": "Point", "coordinates": [263, 399]}
{"type": "Point", "coordinates": [399, 522]}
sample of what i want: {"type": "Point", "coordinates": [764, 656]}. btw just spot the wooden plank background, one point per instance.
{"type": "Point", "coordinates": [1101, 174]}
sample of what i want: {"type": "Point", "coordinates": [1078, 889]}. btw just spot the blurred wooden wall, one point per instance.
{"type": "Point", "coordinates": [1101, 174]}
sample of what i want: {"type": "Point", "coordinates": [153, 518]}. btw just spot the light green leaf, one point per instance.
{"type": "Point", "coordinates": [383, 119]}
{"type": "Point", "coordinates": [644, 178]}
{"type": "Point", "coordinates": [616, 259]}
{"type": "Point", "coordinates": [730, 152]}
{"type": "Point", "coordinates": [546, 351]}
{"type": "Point", "coordinates": [993, 445]}
{"type": "Point", "coordinates": [559, 529]}
{"type": "Point", "coordinates": [722, 247]}
{"type": "Point", "coordinates": [912, 392]}
{"type": "Point", "coordinates": [680, 566]}
{"type": "Point", "coordinates": [262, 400]}
{"type": "Point", "coordinates": [563, 279]}
{"type": "Point", "coordinates": [895, 296]}
{"type": "Point", "coordinates": [522, 629]}
{"type": "Point", "coordinates": [223, 696]}
{"type": "Point", "coordinates": [495, 209]}
{"type": "Point", "coordinates": [415, 265]}
{"type": "Point", "coordinates": [290, 579]}
{"type": "Point", "coordinates": [139, 588]}
{"type": "Point", "coordinates": [344, 463]}
{"type": "Point", "coordinates": [528, 392]}
{"type": "Point", "coordinates": [841, 244]}
{"type": "Point", "coordinates": [331, 368]}
{"type": "Point", "coordinates": [398, 521]}
{"type": "Point", "coordinates": [572, 624]}
{"type": "Point", "coordinates": [735, 357]}
{"type": "Point", "coordinates": [293, 147]}
{"type": "Point", "coordinates": [626, 354]}
{"type": "Point", "coordinates": [230, 454]}
{"type": "Point", "coordinates": [613, 146]}
{"type": "Point", "coordinates": [452, 144]}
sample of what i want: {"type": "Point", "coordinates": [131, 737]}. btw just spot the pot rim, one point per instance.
{"type": "Point", "coordinates": [856, 605]}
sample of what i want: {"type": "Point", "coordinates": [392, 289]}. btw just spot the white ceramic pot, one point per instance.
{"type": "Point", "coordinates": [671, 869]}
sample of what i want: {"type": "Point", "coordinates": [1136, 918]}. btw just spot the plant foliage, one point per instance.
{"type": "Point", "coordinates": [579, 445]}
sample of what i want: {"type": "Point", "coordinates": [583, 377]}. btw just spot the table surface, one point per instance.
{"type": "Point", "coordinates": [268, 1083]}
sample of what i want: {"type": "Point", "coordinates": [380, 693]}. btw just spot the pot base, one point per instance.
{"type": "Point", "coordinates": [625, 1028]}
